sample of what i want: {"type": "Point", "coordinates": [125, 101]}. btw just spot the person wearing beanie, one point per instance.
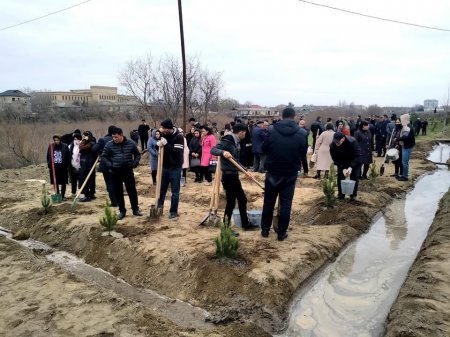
{"type": "Point", "coordinates": [58, 161]}
{"type": "Point", "coordinates": [284, 146]}
{"type": "Point", "coordinates": [173, 142]}
{"type": "Point", "coordinates": [346, 155]}
{"type": "Point", "coordinates": [107, 176]}
{"type": "Point", "coordinates": [229, 147]}
{"type": "Point", "coordinates": [407, 141]}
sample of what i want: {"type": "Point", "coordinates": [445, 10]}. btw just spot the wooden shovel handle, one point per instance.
{"type": "Point", "coordinates": [159, 174]}
{"type": "Point", "coordinates": [243, 170]}
{"type": "Point", "coordinates": [87, 178]}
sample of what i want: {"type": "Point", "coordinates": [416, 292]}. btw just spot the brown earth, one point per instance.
{"type": "Point", "coordinates": [177, 258]}
{"type": "Point", "coordinates": [422, 308]}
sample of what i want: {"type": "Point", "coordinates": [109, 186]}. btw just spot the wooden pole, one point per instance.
{"type": "Point", "coordinates": [183, 57]}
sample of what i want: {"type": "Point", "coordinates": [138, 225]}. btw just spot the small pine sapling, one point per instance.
{"type": "Point", "coordinates": [46, 200]}
{"type": "Point", "coordinates": [329, 185]}
{"type": "Point", "coordinates": [373, 173]}
{"type": "Point", "coordinates": [109, 220]}
{"type": "Point", "coordinates": [226, 243]}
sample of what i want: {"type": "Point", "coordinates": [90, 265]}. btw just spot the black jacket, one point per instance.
{"type": "Point", "coordinates": [347, 154]}
{"type": "Point", "coordinates": [195, 145]}
{"type": "Point", "coordinates": [227, 143]}
{"type": "Point", "coordinates": [65, 155]}
{"type": "Point", "coordinates": [316, 128]}
{"type": "Point", "coordinates": [98, 148]}
{"type": "Point", "coordinates": [143, 130]}
{"type": "Point", "coordinates": [364, 139]}
{"type": "Point", "coordinates": [87, 155]}
{"type": "Point", "coordinates": [408, 138]}
{"type": "Point", "coordinates": [173, 150]}
{"type": "Point", "coordinates": [123, 156]}
{"type": "Point", "coordinates": [285, 145]}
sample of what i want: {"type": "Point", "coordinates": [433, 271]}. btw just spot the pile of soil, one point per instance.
{"type": "Point", "coordinates": [176, 258]}
{"type": "Point", "coordinates": [422, 308]}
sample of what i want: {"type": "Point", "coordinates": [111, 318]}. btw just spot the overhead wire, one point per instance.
{"type": "Point", "coordinates": [44, 16]}
{"type": "Point", "coordinates": [374, 17]}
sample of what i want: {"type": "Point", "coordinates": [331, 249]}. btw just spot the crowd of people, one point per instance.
{"type": "Point", "coordinates": [277, 149]}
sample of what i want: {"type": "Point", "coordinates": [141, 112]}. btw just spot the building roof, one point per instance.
{"type": "Point", "coordinates": [14, 93]}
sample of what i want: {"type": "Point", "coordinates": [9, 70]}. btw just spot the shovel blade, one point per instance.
{"type": "Point", "coordinates": [381, 170]}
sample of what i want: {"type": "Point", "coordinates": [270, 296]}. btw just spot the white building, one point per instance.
{"type": "Point", "coordinates": [430, 104]}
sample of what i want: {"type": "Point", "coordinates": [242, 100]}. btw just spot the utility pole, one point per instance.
{"type": "Point", "coordinates": [183, 56]}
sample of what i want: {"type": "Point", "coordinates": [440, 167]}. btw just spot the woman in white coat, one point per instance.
{"type": "Point", "coordinates": [322, 150]}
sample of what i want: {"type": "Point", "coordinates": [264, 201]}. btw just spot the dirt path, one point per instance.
{"type": "Point", "coordinates": [177, 259]}
{"type": "Point", "coordinates": [422, 308]}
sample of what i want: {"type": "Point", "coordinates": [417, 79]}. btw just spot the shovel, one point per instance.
{"type": "Point", "coordinates": [384, 160]}
{"type": "Point", "coordinates": [243, 170]}
{"type": "Point", "coordinates": [155, 211]}
{"type": "Point", "coordinates": [212, 217]}
{"type": "Point", "coordinates": [75, 200]}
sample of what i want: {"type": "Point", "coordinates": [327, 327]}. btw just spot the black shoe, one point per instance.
{"type": "Point", "coordinates": [249, 228]}
{"type": "Point", "coordinates": [341, 197]}
{"type": "Point", "coordinates": [85, 199]}
{"type": "Point", "coordinates": [265, 234]}
{"type": "Point", "coordinates": [394, 175]}
{"type": "Point", "coordinates": [137, 213]}
{"type": "Point", "coordinates": [114, 205]}
{"type": "Point", "coordinates": [316, 177]}
{"type": "Point", "coordinates": [235, 234]}
{"type": "Point", "coordinates": [282, 237]}
{"type": "Point", "coordinates": [93, 197]}
{"type": "Point", "coordinates": [173, 215]}
{"type": "Point", "coordinates": [401, 178]}
{"type": "Point", "coordinates": [352, 199]}
{"type": "Point", "coordinates": [121, 215]}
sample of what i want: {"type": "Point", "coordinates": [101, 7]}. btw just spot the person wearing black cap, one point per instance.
{"type": "Point", "coordinates": [173, 142]}
{"type": "Point", "coordinates": [143, 130]}
{"type": "Point", "coordinates": [107, 176]}
{"type": "Point", "coordinates": [346, 154]}
{"type": "Point", "coordinates": [120, 157]}
{"type": "Point", "coordinates": [229, 147]}
{"type": "Point", "coordinates": [285, 145]}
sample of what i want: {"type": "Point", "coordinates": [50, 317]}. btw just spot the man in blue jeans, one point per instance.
{"type": "Point", "coordinates": [407, 141]}
{"type": "Point", "coordinates": [173, 143]}
{"type": "Point", "coordinates": [285, 145]}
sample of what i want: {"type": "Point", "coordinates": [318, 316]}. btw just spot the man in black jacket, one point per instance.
{"type": "Point", "coordinates": [143, 130]}
{"type": "Point", "coordinates": [229, 147]}
{"type": "Point", "coordinates": [346, 154]}
{"type": "Point", "coordinates": [285, 145]}
{"type": "Point", "coordinates": [120, 156]}
{"type": "Point", "coordinates": [108, 177]}
{"type": "Point", "coordinates": [173, 143]}
{"type": "Point", "coordinates": [316, 129]}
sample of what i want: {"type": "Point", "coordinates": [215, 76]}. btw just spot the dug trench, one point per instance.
{"type": "Point", "coordinates": [176, 258]}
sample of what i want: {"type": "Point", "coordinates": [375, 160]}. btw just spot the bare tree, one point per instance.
{"type": "Point", "coordinates": [209, 91]}
{"type": "Point", "coordinates": [228, 104]}
{"type": "Point", "coordinates": [139, 80]}
{"type": "Point", "coordinates": [40, 102]}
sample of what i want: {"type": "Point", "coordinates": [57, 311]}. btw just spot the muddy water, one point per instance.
{"type": "Point", "coordinates": [181, 313]}
{"type": "Point", "coordinates": [353, 295]}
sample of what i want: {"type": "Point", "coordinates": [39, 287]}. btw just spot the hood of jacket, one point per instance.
{"type": "Point", "coordinates": [286, 127]}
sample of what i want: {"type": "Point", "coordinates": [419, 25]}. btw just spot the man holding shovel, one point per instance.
{"type": "Point", "coordinates": [229, 147]}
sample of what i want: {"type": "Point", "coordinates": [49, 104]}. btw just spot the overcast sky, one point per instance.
{"type": "Point", "coordinates": [270, 51]}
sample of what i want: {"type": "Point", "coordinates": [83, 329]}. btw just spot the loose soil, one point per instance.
{"type": "Point", "coordinates": [422, 308]}
{"type": "Point", "coordinates": [176, 258]}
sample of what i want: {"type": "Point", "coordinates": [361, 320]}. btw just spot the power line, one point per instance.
{"type": "Point", "coordinates": [374, 17]}
{"type": "Point", "coordinates": [44, 16]}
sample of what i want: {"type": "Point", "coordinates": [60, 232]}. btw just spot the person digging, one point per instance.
{"type": "Point", "coordinates": [229, 147]}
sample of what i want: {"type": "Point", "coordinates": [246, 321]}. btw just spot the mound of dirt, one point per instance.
{"type": "Point", "coordinates": [177, 257]}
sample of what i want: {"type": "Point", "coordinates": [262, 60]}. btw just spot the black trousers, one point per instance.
{"type": "Point", "coordinates": [356, 172]}
{"type": "Point", "coordinates": [282, 187]}
{"type": "Point", "coordinates": [305, 164]}
{"type": "Point", "coordinates": [233, 190]}
{"type": "Point", "coordinates": [365, 169]}
{"type": "Point", "coordinates": [125, 177]}
{"type": "Point", "coordinates": [109, 182]}
{"type": "Point", "coordinates": [89, 188]}
{"type": "Point", "coordinates": [74, 179]}
{"type": "Point", "coordinates": [144, 141]}
{"type": "Point", "coordinates": [381, 145]}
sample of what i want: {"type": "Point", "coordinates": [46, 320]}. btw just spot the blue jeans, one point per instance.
{"type": "Point", "coordinates": [406, 153]}
{"type": "Point", "coordinates": [170, 176]}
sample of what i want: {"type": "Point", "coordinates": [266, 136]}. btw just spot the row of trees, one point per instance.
{"type": "Point", "coordinates": [158, 85]}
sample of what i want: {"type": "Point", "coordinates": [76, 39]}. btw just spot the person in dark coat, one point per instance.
{"type": "Point", "coordinates": [346, 154]}
{"type": "Point", "coordinates": [258, 135]}
{"type": "Point", "coordinates": [395, 144]}
{"type": "Point", "coordinates": [417, 126]}
{"type": "Point", "coordinates": [229, 148]}
{"type": "Point", "coordinates": [407, 141]}
{"type": "Point", "coordinates": [58, 156]}
{"type": "Point", "coordinates": [316, 129]}
{"type": "Point", "coordinates": [302, 124]}
{"type": "Point", "coordinates": [87, 159]}
{"type": "Point", "coordinates": [381, 135]}
{"type": "Point", "coordinates": [121, 156]}
{"type": "Point", "coordinates": [284, 146]}
{"type": "Point", "coordinates": [424, 127]}
{"type": "Point", "coordinates": [143, 130]}
{"type": "Point", "coordinates": [108, 177]}
{"type": "Point", "coordinates": [195, 151]}
{"type": "Point", "coordinates": [246, 153]}
{"type": "Point", "coordinates": [364, 139]}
